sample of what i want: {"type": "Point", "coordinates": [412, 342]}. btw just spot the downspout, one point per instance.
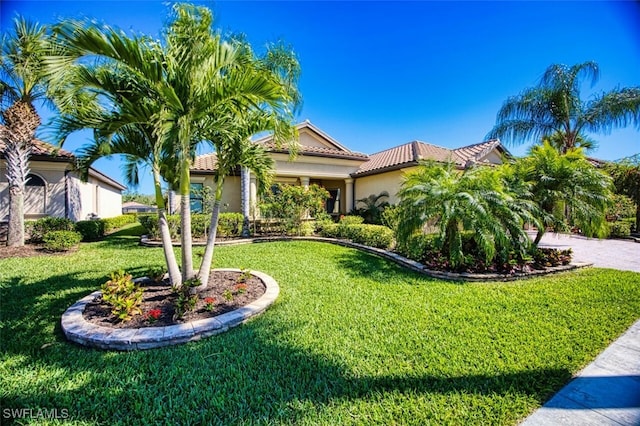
{"type": "Point", "coordinates": [66, 193]}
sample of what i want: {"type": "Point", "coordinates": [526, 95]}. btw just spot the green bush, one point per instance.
{"type": "Point", "coordinates": [113, 223]}
{"type": "Point", "coordinates": [351, 220]}
{"type": "Point", "coordinates": [199, 224]}
{"type": "Point", "coordinates": [39, 228]}
{"type": "Point", "coordinates": [61, 240]}
{"type": "Point", "coordinates": [150, 224]}
{"type": "Point", "coordinates": [619, 229]}
{"type": "Point", "coordinates": [123, 295]}
{"type": "Point", "coordinates": [417, 246]}
{"type": "Point", "coordinates": [370, 235]}
{"type": "Point", "coordinates": [230, 224]}
{"type": "Point", "coordinates": [91, 230]}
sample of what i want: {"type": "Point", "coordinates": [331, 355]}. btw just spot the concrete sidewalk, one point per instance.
{"type": "Point", "coordinates": [606, 392]}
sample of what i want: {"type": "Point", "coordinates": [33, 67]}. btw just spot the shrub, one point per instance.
{"type": "Point", "coordinates": [39, 228]}
{"type": "Point", "coordinates": [123, 295]}
{"type": "Point", "coordinates": [417, 247]}
{"type": "Point", "coordinates": [91, 230]}
{"type": "Point", "coordinates": [351, 220]}
{"type": "Point", "coordinates": [199, 224]}
{"type": "Point", "coordinates": [389, 217]}
{"type": "Point", "coordinates": [61, 240]}
{"type": "Point", "coordinates": [370, 235]}
{"type": "Point", "coordinates": [619, 229]}
{"type": "Point", "coordinates": [230, 224]}
{"type": "Point", "coordinates": [291, 204]}
{"type": "Point", "coordinates": [113, 223]}
{"type": "Point", "coordinates": [150, 224]}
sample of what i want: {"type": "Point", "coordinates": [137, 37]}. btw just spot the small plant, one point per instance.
{"type": "Point", "coordinates": [210, 303]}
{"type": "Point", "coordinates": [41, 227]}
{"type": "Point", "coordinates": [61, 240]}
{"type": "Point", "coordinates": [124, 295]}
{"type": "Point", "coordinates": [156, 273]}
{"type": "Point", "coordinates": [228, 296]}
{"type": "Point", "coordinates": [244, 276]}
{"type": "Point", "coordinates": [153, 315]}
{"type": "Point", "coordinates": [240, 288]}
{"type": "Point", "coordinates": [185, 300]}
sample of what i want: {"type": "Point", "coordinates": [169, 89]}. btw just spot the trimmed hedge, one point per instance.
{"type": "Point", "coordinates": [229, 225]}
{"type": "Point", "coordinates": [39, 228]}
{"type": "Point", "coordinates": [91, 230]}
{"type": "Point", "coordinates": [113, 223]}
{"type": "Point", "coordinates": [370, 235]}
{"type": "Point", "coordinates": [61, 240]}
{"type": "Point", "coordinates": [619, 229]}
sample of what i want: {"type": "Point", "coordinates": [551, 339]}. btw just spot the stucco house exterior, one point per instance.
{"type": "Point", "coordinates": [54, 189]}
{"type": "Point", "coordinates": [347, 175]}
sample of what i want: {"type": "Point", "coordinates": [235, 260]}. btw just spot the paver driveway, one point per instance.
{"type": "Point", "coordinates": [616, 254]}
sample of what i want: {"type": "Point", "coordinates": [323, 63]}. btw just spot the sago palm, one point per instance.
{"type": "Point", "coordinates": [555, 107]}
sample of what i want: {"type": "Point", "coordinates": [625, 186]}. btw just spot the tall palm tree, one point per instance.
{"type": "Point", "coordinates": [555, 107]}
{"type": "Point", "coordinates": [197, 81]}
{"type": "Point", "coordinates": [564, 184]}
{"type": "Point", "coordinates": [22, 83]}
{"type": "Point", "coordinates": [475, 201]}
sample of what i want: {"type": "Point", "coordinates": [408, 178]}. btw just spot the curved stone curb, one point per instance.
{"type": "Point", "coordinates": [81, 331]}
{"type": "Point", "coordinates": [400, 260]}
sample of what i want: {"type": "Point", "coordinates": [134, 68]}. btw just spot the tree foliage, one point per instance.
{"type": "Point", "coordinates": [626, 178]}
{"type": "Point", "coordinates": [475, 200]}
{"type": "Point", "coordinates": [554, 109]}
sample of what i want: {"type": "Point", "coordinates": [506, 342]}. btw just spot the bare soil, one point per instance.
{"type": "Point", "coordinates": [160, 296]}
{"type": "Point", "coordinates": [29, 250]}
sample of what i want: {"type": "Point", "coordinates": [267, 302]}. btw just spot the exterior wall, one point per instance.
{"type": "Point", "coordinates": [231, 198]}
{"type": "Point", "coordinates": [375, 184]}
{"type": "Point", "coordinates": [54, 191]}
{"type": "Point", "coordinates": [95, 196]}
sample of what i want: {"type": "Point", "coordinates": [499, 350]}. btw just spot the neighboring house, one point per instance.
{"type": "Point", "coordinates": [54, 189]}
{"type": "Point", "coordinates": [135, 207]}
{"type": "Point", "coordinates": [347, 175]}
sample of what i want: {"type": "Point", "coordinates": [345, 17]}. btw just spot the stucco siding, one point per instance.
{"type": "Point", "coordinates": [375, 184]}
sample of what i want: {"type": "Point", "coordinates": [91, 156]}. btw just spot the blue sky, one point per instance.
{"type": "Point", "coordinates": [379, 74]}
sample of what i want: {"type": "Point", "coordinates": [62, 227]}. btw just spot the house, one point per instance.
{"type": "Point", "coordinates": [54, 189]}
{"type": "Point", "coordinates": [135, 207]}
{"type": "Point", "coordinates": [347, 175]}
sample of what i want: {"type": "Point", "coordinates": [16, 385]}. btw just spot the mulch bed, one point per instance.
{"type": "Point", "coordinates": [162, 297]}
{"type": "Point", "coordinates": [29, 250]}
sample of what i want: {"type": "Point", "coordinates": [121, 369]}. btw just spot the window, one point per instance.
{"type": "Point", "coordinates": [34, 195]}
{"type": "Point", "coordinates": [197, 199]}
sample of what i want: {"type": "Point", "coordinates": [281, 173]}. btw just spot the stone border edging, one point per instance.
{"type": "Point", "coordinates": [81, 331]}
{"type": "Point", "coordinates": [400, 260]}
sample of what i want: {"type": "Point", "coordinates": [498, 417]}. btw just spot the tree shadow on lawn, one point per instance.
{"type": "Point", "coordinates": [258, 372]}
{"type": "Point", "coordinates": [358, 263]}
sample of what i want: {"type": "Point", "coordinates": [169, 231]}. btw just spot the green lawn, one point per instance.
{"type": "Point", "coordinates": [352, 339]}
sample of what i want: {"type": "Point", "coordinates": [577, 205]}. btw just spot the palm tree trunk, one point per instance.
{"type": "Point", "coordinates": [17, 163]}
{"type": "Point", "coordinates": [539, 235]}
{"type": "Point", "coordinates": [207, 258]}
{"type": "Point", "coordinates": [185, 221]}
{"type": "Point", "coordinates": [244, 190]}
{"type": "Point", "coordinates": [15, 235]}
{"type": "Point", "coordinates": [167, 245]}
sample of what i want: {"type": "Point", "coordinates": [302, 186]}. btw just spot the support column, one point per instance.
{"type": "Point", "coordinates": [253, 198]}
{"type": "Point", "coordinates": [348, 194]}
{"type": "Point", "coordinates": [304, 181]}
{"type": "Point", "coordinates": [245, 196]}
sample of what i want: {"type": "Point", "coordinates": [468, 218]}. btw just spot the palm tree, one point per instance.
{"type": "Point", "coordinates": [566, 185]}
{"type": "Point", "coordinates": [373, 207]}
{"type": "Point", "coordinates": [22, 83]}
{"type": "Point", "coordinates": [474, 201]}
{"type": "Point", "coordinates": [197, 81]}
{"type": "Point", "coordinates": [555, 107]}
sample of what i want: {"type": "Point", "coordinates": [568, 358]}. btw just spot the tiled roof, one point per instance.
{"type": "Point", "coordinates": [404, 155]}
{"type": "Point", "coordinates": [205, 163]}
{"type": "Point", "coordinates": [42, 149]}
{"type": "Point", "coordinates": [475, 152]}
{"type": "Point", "coordinates": [411, 153]}
{"type": "Point", "coordinates": [317, 151]}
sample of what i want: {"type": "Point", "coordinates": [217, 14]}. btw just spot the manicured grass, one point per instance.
{"type": "Point", "coordinates": [352, 339]}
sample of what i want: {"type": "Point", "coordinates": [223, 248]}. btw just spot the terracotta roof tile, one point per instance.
{"type": "Point", "coordinates": [204, 163]}
{"type": "Point", "coordinates": [404, 155]}
{"type": "Point", "coordinates": [316, 150]}
{"type": "Point", "coordinates": [42, 149]}
{"type": "Point", "coordinates": [477, 151]}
